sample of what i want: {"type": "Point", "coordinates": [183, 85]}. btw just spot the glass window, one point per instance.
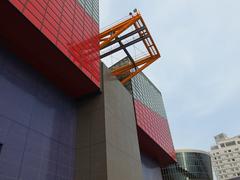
{"type": "Point", "coordinates": [222, 145]}
{"type": "Point", "coordinates": [231, 143]}
{"type": "Point", "coordinates": [0, 147]}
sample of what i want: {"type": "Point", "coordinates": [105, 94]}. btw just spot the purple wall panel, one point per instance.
{"type": "Point", "coordinates": [37, 125]}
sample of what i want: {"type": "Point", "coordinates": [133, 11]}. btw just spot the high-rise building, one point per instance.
{"type": "Point", "coordinates": [191, 164]}
{"type": "Point", "coordinates": [63, 115]}
{"type": "Point", "coordinates": [226, 156]}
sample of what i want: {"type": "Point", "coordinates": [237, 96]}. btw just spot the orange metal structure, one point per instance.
{"type": "Point", "coordinates": [115, 34]}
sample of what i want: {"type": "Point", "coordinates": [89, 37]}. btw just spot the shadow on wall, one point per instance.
{"type": "Point", "coordinates": [151, 169]}
{"type": "Point", "coordinates": [37, 124]}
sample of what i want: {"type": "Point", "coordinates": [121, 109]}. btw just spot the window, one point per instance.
{"type": "Point", "coordinates": [0, 147]}
{"type": "Point", "coordinates": [229, 150]}
{"type": "Point", "coordinates": [233, 159]}
{"type": "Point", "coordinates": [222, 145]}
{"type": "Point", "coordinates": [231, 143]}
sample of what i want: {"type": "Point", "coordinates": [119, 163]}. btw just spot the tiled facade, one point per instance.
{"type": "Point", "coordinates": [37, 125]}
{"type": "Point", "coordinates": [72, 25]}
{"type": "Point", "coordinates": [46, 135]}
{"type": "Point", "coordinates": [150, 113]}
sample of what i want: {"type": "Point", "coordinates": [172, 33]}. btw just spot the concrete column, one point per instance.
{"type": "Point", "coordinates": [107, 144]}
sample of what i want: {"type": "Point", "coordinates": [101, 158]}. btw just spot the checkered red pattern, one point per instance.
{"type": "Point", "coordinates": [154, 126]}
{"type": "Point", "coordinates": [68, 25]}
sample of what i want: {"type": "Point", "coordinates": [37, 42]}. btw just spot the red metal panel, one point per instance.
{"type": "Point", "coordinates": [68, 25]}
{"type": "Point", "coordinates": [156, 128]}
{"type": "Point", "coordinates": [41, 48]}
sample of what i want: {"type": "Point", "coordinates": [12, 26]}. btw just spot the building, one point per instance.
{"type": "Point", "coordinates": [62, 113]}
{"type": "Point", "coordinates": [191, 164]}
{"type": "Point", "coordinates": [237, 178]}
{"type": "Point", "coordinates": [154, 135]}
{"type": "Point", "coordinates": [226, 156]}
{"type": "Point", "coordinates": [156, 147]}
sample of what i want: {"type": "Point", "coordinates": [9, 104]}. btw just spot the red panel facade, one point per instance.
{"type": "Point", "coordinates": [155, 126]}
{"type": "Point", "coordinates": [153, 130]}
{"type": "Point", "coordinates": [70, 28]}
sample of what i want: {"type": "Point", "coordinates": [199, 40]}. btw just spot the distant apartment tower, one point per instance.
{"type": "Point", "coordinates": [226, 157]}
{"type": "Point", "coordinates": [191, 164]}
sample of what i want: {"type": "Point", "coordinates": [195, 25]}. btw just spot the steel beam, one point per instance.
{"type": "Point", "coordinates": [124, 36]}
{"type": "Point", "coordinates": [124, 46]}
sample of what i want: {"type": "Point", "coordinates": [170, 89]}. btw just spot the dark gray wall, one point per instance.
{"type": "Point", "coordinates": [37, 125]}
{"type": "Point", "coordinates": [107, 138]}
{"type": "Point", "coordinates": [123, 156]}
{"type": "Point", "coordinates": [47, 136]}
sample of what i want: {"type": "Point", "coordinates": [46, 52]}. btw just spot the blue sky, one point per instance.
{"type": "Point", "coordinates": [199, 72]}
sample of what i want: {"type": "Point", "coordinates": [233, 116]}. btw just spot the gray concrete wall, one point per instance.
{"type": "Point", "coordinates": [123, 156]}
{"type": "Point", "coordinates": [91, 140]}
{"type": "Point", "coordinates": [107, 139]}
